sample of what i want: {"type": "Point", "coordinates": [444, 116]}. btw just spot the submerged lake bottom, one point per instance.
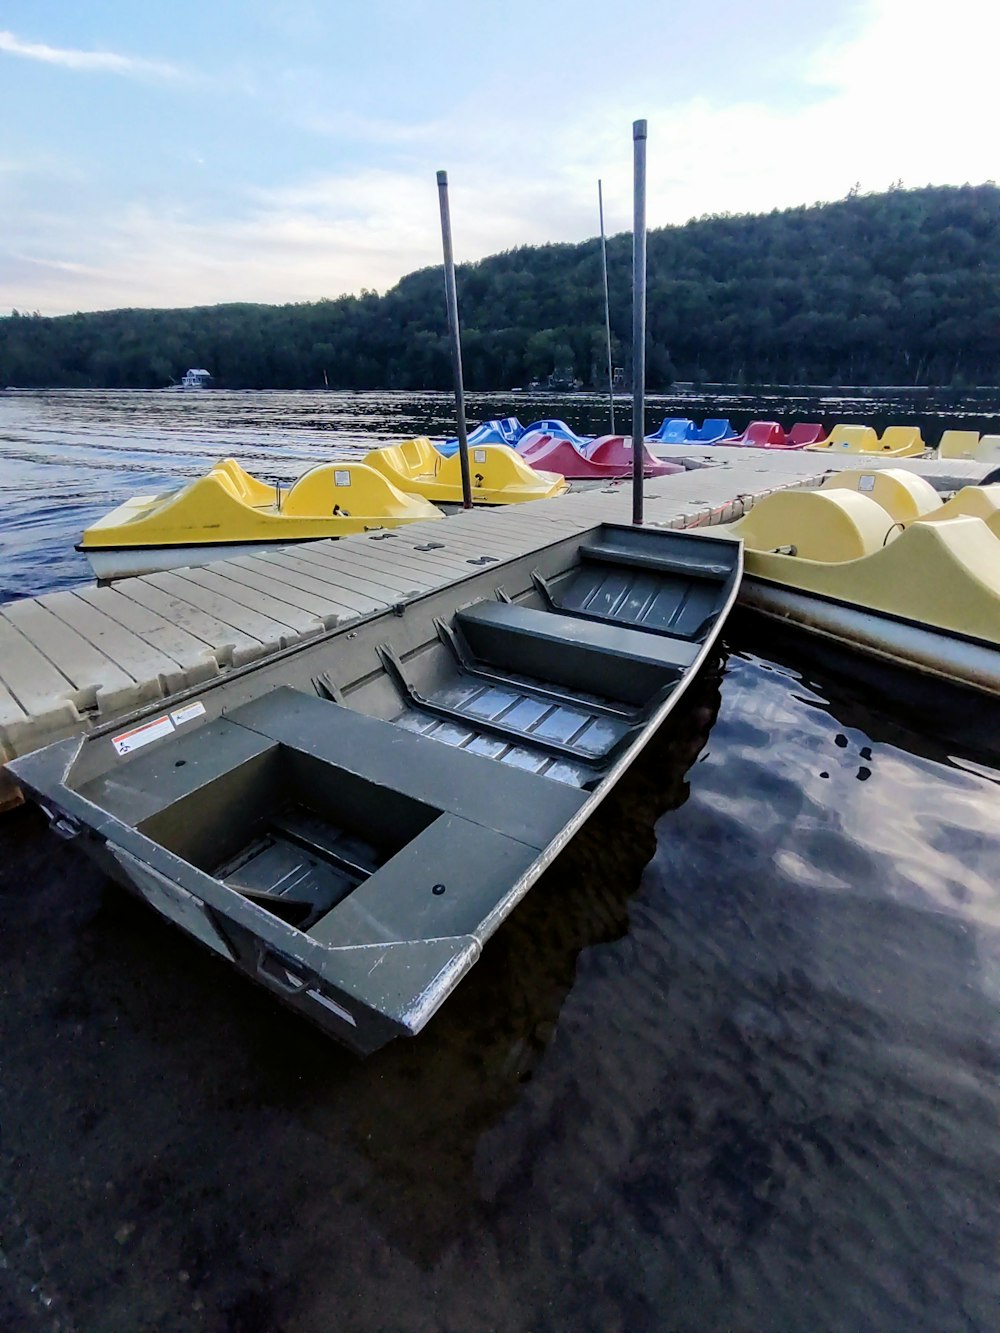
{"type": "Point", "coordinates": [732, 1064]}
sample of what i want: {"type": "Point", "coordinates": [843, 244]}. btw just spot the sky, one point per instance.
{"type": "Point", "coordinates": [285, 150]}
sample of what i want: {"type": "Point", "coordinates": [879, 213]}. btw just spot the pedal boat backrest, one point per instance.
{"type": "Point", "coordinates": [904, 440]}
{"type": "Point", "coordinates": [827, 526]}
{"type": "Point", "coordinates": [354, 489]}
{"type": "Point", "coordinates": [903, 495]}
{"type": "Point", "coordinates": [981, 502]}
{"type": "Point", "coordinates": [958, 444]}
{"type": "Point", "coordinates": [241, 485]}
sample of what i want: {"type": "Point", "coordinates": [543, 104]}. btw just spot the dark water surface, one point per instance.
{"type": "Point", "coordinates": [731, 1065]}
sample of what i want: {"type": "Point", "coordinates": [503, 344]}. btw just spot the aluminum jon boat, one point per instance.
{"type": "Point", "coordinates": [349, 821]}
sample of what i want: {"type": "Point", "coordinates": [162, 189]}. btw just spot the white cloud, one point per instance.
{"type": "Point", "coordinates": [107, 62]}
{"type": "Point", "coordinates": [904, 93]}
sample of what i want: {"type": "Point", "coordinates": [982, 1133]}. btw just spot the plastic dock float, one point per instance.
{"type": "Point", "coordinates": [80, 658]}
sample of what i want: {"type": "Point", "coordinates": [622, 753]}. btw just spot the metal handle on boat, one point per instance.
{"type": "Point", "coordinates": [285, 979]}
{"type": "Point", "coordinates": [61, 824]}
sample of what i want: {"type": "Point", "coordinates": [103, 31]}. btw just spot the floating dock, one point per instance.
{"type": "Point", "coordinates": [82, 657]}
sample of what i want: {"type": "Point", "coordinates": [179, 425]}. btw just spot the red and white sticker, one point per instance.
{"type": "Point", "coordinates": [135, 739]}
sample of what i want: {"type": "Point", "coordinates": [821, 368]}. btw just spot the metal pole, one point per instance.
{"type": "Point", "coordinates": [638, 316]}
{"type": "Point", "coordinates": [451, 299]}
{"type": "Point", "coordinates": [607, 307]}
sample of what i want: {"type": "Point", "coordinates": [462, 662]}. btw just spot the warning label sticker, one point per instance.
{"type": "Point", "coordinates": [135, 739]}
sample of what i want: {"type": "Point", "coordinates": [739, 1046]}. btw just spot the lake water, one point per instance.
{"type": "Point", "coordinates": [731, 1065]}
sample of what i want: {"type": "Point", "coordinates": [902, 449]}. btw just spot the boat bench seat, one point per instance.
{"type": "Point", "coordinates": [608, 660]}
{"type": "Point", "coordinates": [609, 554]}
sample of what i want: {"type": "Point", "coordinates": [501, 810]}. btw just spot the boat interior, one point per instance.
{"type": "Point", "coordinates": [406, 778]}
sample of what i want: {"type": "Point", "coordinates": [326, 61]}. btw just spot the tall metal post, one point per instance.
{"type": "Point", "coordinates": [451, 299]}
{"type": "Point", "coordinates": [638, 316]}
{"type": "Point", "coordinates": [607, 307]}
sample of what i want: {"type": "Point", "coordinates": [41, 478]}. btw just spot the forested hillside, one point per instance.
{"type": "Point", "coordinates": [898, 288]}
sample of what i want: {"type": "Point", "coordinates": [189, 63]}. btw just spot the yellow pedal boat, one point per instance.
{"type": "Point", "coordinates": [970, 444]}
{"type": "Point", "coordinates": [499, 475]}
{"type": "Point", "coordinates": [895, 441]}
{"type": "Point", "coordinates": [921, 591]}
{"type": "Point", "coordinates": [228, 513]}
{"type": "Point", "coordinates": [908, 498]}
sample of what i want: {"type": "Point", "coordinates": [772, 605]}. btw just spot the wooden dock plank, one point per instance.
{"type": "Point", "coordinates": [229, 646]}
{"type": "Point", "coordinates": [309, 569]}
{"type": "Point", "coordinates": [441, 539]}
{"type": "Point", "coordinates": [500, 545]}
{"type": "Point", "coordinates": [76, 659]}
{"type": "Point", "coordinates": [320, 605]}
{"type": "Point", "coordinates": [174, 640]}
{"type": "Point", "coordinates": [11, 711]}
{"type": "Point", "coordinates": [514, 525]}
{"type": "Point", "coordinates": [383, 567]}
{"type": "Point", "coordinates": [97, 681]}
{"type": "Point", "coordinates": [330, 571]}
{"type": "Point", "coordinates": [293, 622]}
{"type": "Point", "coordinates": [270, 634]}
{"type": "Point", "coordinates": [45, 701]}
{"type": "Point", "coordinates": [438, 566]}
{"type": "Point", "coordinates": [189, 652]}
{"type": "Point", "coordinates": [387, 587]}
{"type": "Point", "coordinates": [400, 562]}
{"type": "Point", "coordinates": [27, 672]}
{"type": "Point", "coordinates": [141, 660]}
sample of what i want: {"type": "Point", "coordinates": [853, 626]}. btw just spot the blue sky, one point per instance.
{"type": "Point", "coordinates": [198, 152]}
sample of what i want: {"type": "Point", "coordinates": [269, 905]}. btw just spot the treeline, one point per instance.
{"type": "Point", "coordinates": [897, 288]}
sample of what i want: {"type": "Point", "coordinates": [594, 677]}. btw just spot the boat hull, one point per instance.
{"type": "Point", "coordinates": [110, 564]}
{"type": "Point", "coordinates": [891, 639]}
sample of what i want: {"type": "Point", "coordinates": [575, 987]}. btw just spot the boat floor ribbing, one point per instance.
{"type": "Point", "coordinates": [78, 658]}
